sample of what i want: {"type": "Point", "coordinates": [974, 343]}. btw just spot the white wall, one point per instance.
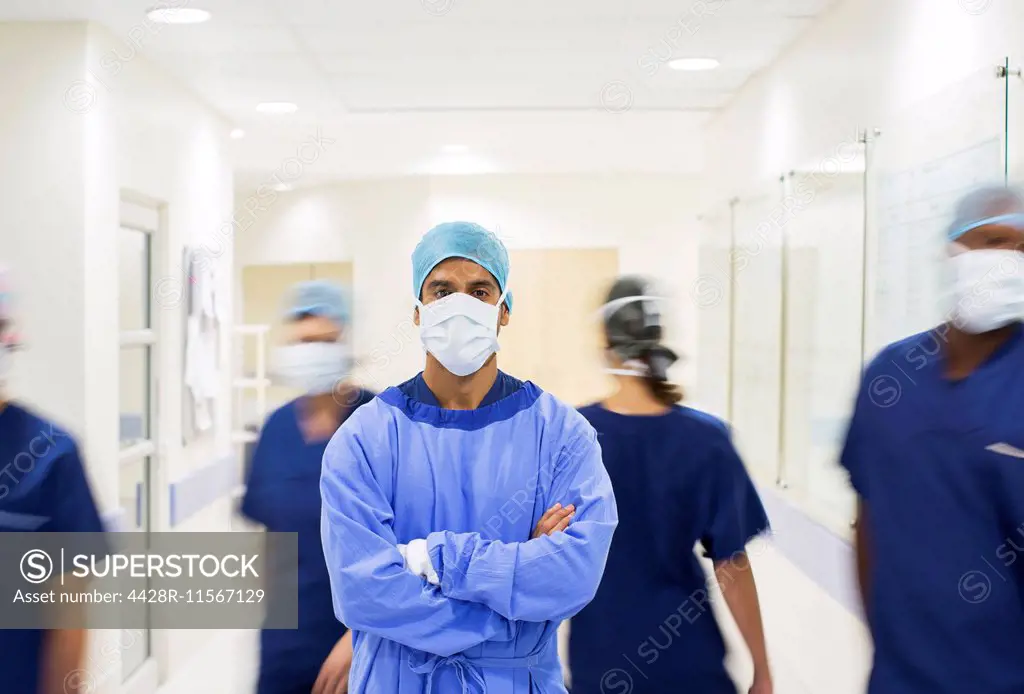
{"type": "Point", "coordinates": [42, 230]}
{"type": "Point", "coordinates": [376, 224]}
{"type": "Point", "coordinates": [858, 66]}
{"type": "Point", "coordinates": [169, 146]}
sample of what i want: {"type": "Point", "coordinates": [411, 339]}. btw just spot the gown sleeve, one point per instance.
{"type": "Point", "coordinates": [549, 578]}
{"type": "Point", "coordinates": [372, 590]}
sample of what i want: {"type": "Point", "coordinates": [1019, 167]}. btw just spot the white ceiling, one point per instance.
{"type": "Point", "coordinates": [527, 85]}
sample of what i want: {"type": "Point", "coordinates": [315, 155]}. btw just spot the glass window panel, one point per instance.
{"type": "Point", "coordinates": [134, 273]}
{"type": "Point", "coordinates": [135, 395]}
{"type": "Point", "coordinates": [757, 330]}
{"type": "Point", "coordinates": [712, 295]}
{"type": "Point", "coordinates": [824, 336]}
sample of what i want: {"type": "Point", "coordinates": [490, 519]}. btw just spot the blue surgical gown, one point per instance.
{"type": "Point", "coordinates": [939, 467]}
{"type": "Point", "coordinates": [43, 488]}
{"type": "Point", "coordinates": [283, 494]}
{"type": "Point", "coordinates": [650, 627]}
{"type": "Point", "coordinates": [474, 484]}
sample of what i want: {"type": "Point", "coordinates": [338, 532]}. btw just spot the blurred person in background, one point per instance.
{"type": "Point", "coordinates": [466, 513]}
{"type": "Point", "coordinates": [935, 451]}
{"type": "Point", "coordinates": [283, 488]}
{"type": "Point", "coordinates": [43, 488]}
{"type": "Point", "coordinates": [679, 481]}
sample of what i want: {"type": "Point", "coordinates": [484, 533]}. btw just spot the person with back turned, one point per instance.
{"type": "Point", "coordinates": [679, 482]}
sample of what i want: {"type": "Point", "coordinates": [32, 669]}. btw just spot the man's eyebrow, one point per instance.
{"type": "Point", "coordinates": [439, 284]}
{"type": "Point", "coordinates": [489, 283]}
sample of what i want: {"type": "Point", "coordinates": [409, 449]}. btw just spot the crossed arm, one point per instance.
{"type": "Point", "coordinates": [483, 586]}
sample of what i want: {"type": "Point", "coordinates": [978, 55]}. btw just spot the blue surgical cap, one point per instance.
{"type": "Point", "coordinates": [994, 204]}
{"type": "Point", "coordinates": [319, 298]}
{"type": "Point", "coordinates": [460, 240]}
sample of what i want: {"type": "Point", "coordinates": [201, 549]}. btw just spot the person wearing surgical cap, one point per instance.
{"type": "Point", "coordinates": [283, 487]}
{"type": "Point", "coordinates": [43, 488]}
{"type": "Point", "coordinates": [681, 483]}
{"type": "Point", "coordinates": [466, 513]}
{"type": "Point", "coordinates": [935, 452]}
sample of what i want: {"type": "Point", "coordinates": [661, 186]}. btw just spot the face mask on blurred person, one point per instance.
{"type": "Point", "coordinates": [461, 331]}
{"type": "Point", "coordinates": [313, 367]}
{"type": "Point", "coordinates": [986, 289]}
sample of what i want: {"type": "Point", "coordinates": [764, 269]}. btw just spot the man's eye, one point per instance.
{"type": "Point", "coordinates": [441, 293]}
{"type": "Point", "coordinates": [481, 293]}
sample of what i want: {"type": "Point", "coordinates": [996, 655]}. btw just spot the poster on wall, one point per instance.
{"type": "Point", "coordinates": [201, 331]}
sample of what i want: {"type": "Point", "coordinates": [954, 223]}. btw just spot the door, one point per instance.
{"type": "Point", "coordinates": [137, 408]}
{"type": "Point", "coordinates": [553, 337]}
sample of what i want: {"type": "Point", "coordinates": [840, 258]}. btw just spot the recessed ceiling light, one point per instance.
{"type": "Point", "coordinates": [693, 64]}
{"type": "Point", "coordinates": [178, 15]}
{"type": "Point", "coordinates": [277, 107]}
{"type": "Point", "coordinates": [237, 134]}
{"type": "Point", "coordinates": [454, 149]}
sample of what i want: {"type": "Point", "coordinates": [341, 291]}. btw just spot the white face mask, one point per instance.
{"type": "Point", "coordinates": [631, 367]}
{"type": "Point", "coordinates": [314, 367]}
{"type": "Point", "coordinates": [986, 289]}
{"type": "Point", "coordinates": [460, 331]}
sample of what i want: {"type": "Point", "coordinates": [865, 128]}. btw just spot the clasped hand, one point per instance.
{"type": "Point", "coordinates": [417, 557]}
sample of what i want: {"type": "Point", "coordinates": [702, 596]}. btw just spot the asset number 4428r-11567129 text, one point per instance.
{"type": "Point", "coordinates": [209, 595]}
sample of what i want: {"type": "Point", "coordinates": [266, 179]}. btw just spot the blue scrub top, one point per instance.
{"type": "Point", "coordinates": [43, 488]}
{"type": "Point", "coordinates": [677, 481]}
{"type": "Point", "coordinates": [416, 389]}
{"type": "Point", "coordinates": [283, 494]}
{"type": "Point", "coordinates": [940, 467]}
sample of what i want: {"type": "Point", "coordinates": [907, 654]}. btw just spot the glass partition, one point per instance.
{"type": "Point", "coordinates": [757, 344]}
{"type": "Point", "coordinates": [1015, 128]}
{"type": "Point", "coordinates": [712, 295]}
{"type": "Point", "coordinates": [823, 291]}
{"type": "Point", "coordinates": [803, 279]}
{"type": "Point", "coordinates": [919, 164]}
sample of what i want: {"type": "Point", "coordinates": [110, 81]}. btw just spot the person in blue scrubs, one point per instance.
{"type": "Point", "coordinates": [43, 488]}
{"type": "Point", "coordinates": [465, 513]}
{"type": "Point", "coordinates": [935, 451]}
{"type": "Point", "coordinates": [650, 628]}
{"type": "Point", "coordinates": [283, 489]}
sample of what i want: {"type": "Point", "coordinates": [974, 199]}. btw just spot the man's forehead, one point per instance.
{"type": "Point", "coordinates": [459, 270]}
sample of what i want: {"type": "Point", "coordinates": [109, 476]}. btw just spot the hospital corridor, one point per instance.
{"type": "Point", "coordinates": [454, 347]}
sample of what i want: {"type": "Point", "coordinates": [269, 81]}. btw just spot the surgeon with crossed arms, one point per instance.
{"type": "Point", "coordinates": [465, 513]}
